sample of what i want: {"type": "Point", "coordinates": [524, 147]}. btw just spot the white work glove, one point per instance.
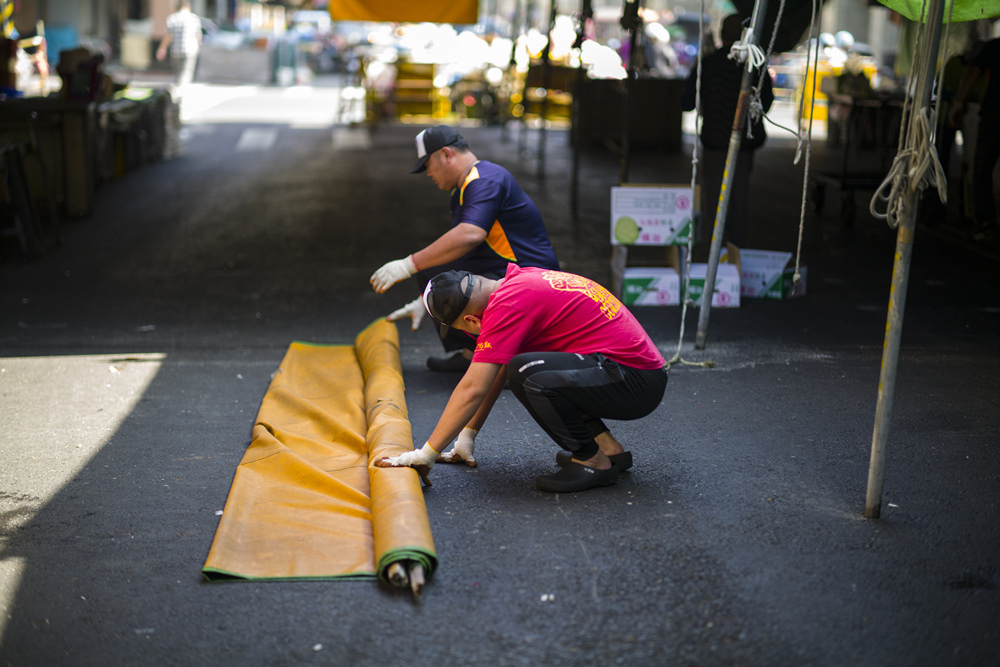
{"type": "Point", "coordinates": [415, 309]}
{"type": "Point", "coordinates": [392, 273]}
{"type": "Point", "coordinates": [425, 456]}
{"type": "Point", "coordinates": [462, 450]}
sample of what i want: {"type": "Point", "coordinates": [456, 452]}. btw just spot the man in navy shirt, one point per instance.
{"type": "Point", "coordinates": [493, 224]}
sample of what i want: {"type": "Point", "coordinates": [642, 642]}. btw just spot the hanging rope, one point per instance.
{"type": "Point", "coordinates": [756, 108]}
{"type": "Point", "coordinates": [686, 266]}
{"type": "Point", "coordinates": [915, 168]}
{"type": "Point", "coordinates": [745, 51]}
{"type": "Point", "coordinates": [814, 50]}
{"type": "Point", "coordinates": [916, 165]}
{"type": "Point", "coordinates": [811, 64]}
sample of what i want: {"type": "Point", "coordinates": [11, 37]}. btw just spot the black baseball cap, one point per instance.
{"type": "Point", "coordinates": [444, 297]}
{"type": "Point", "coordinates": [433, 139]}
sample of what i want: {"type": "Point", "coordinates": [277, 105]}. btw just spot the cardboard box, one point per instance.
{"type": "Point", "coordinates": [651, 215]}
{"type": "Point", "coordinates": [765, 274]}
{"type": "Point", "coordinates": [651, 287]}
{"type": "Point", "coordinates": [727, 285]}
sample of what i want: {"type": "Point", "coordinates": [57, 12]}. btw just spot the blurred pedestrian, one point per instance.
{"type": "Point", "coordinates": [987, 145]}
{"type": "Point", "coordinates": [720, 92]}
{"type": "Point", "coordinates": [493, 224]}
{"type": "Point", "coordinates": [182, 42]}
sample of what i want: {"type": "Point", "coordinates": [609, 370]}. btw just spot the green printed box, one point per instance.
{"type": "Point", "coordinates": [765, 274]}
{"type": "Point", "coordinates": [651, 287]}
{"type": "Point", "coordinates": [727, 285]}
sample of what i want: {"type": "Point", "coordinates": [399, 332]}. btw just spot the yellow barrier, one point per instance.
{"type": "Point", "coordinates": [823, 70]}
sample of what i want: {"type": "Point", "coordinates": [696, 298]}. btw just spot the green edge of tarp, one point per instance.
{"type": "Point", "coordinates": [307, 343]}
{"type": "Point", "coordinates": [216, 575]}
{"type": "Point", "coordinates": [426, 559]}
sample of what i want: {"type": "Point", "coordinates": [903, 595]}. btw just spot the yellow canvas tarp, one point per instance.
{"type": "Point", "coordinates": [405, 11]}
{"type": "Point", "coordinates": [307, 501]}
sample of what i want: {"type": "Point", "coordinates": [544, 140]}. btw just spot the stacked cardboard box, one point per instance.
{"type": "Point", "coordinates": [765, 274]}
{"type": "Point", "coordinates": [727, 285]}
{"type": "Point", "coordinates": [651, 287]}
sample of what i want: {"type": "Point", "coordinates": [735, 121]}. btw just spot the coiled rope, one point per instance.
{"type": "Point", "coordinates": [916, 165]}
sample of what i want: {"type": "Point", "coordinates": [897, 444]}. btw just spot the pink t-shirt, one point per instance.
{"type": "Point", "coordinates": [540, 310]}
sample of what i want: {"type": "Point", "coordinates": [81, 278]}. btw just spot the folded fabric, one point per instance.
{"type": "Point", "coordinates": [307, 501]}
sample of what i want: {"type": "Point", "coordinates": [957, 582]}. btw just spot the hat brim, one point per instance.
{"type": "Point", "coordinates": [421, 165]}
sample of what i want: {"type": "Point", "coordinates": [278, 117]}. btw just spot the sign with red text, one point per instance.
{"type": "Point", "coordinates": [651, 215]}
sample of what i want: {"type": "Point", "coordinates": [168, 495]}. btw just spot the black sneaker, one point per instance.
{"type": "Point", "coordinates": [621, 461]}
{"type": "Point", "coordinates": [455, 363]}
{"type": "Point", "coordinates": [576, 477]}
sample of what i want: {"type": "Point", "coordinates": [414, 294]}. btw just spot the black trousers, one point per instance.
{"type": "Point", "coordinates": [568, 394]}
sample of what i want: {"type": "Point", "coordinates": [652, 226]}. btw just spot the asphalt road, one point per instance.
{"type": "Point", "coordinates": [133, 358]}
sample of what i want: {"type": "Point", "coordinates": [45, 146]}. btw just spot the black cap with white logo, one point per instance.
{"type": "Point", "coordinates": [430, 140]}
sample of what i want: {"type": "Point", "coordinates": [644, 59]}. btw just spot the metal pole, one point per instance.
{"type": "Point", "coordinates": [735, 139]}
{"type": "Point", "coordinates": [515, 33]}
{"type": "Point", "coordinates": [522, 144]}
{"type": "Point", "coordinates": [631, 21]}
{"type": "Point", "coordinates": [586, 13]}
{"type": "Point", "coordinates": [897, 295]}
{"type": "Point", "coordinates": [720, 224]}
{"type": "Point", "coordinates": [546, 85]}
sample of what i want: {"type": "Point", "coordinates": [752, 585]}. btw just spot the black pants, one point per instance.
{"type": "Point", "coordinates": [567, 394]}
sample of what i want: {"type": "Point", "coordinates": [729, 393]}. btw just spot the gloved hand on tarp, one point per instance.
{"type": "Point", "coordinates": [392, 272]}
{"type": "Point", "coordinates": [462, 450]}
{"type": "Point", "coordinates": [415, 310]}
{"type": "Point", "coordinates": [421, 460]}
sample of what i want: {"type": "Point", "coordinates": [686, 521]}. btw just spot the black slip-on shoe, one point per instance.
{"type": "Point", "coordinates": [455, 363]}
{"type": "Point", "coordinates": [621, 461]}
{"type": "Point", "coordinates": [576, 477]}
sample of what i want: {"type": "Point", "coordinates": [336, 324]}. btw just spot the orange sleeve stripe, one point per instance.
{"type": "Point", "coordinates": [497, 241]}
{"type": "Point", "coordinates": [473, 175]}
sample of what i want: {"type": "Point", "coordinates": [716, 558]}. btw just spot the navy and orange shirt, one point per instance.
{"type": "Point", "coordinates": [490, 198]}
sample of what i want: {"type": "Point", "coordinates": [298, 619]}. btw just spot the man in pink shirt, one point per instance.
{"type": "Point", "coordinates": [571, 353]}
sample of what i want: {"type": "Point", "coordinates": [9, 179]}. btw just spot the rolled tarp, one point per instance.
{"type": "Point", "coordinates": [307, 501]}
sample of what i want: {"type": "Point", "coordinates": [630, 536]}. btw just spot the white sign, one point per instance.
{"type": "Point", "coordinates": [650, 215]}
